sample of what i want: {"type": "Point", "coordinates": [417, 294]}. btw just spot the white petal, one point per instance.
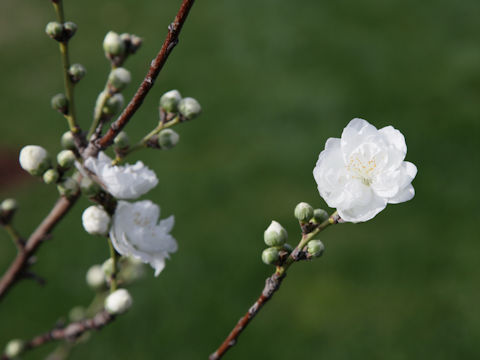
{"type": "Point", "coordinates": [363, 213]}
{"type": "Point", "coordinates": [395, 138]}
{"type": "Point", "coordinates": [406, 194]}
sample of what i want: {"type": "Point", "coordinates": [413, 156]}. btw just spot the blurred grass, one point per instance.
{"type": "Point", "coordinates": [275, 79]}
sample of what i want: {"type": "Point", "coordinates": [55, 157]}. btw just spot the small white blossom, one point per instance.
{"type": "Point", "coordinates": [123, 182]}
{"type": "Point", "coordinates": [34, 159]}
{"type": "Point", "coordinates": [95, 220]}
{"type": "Point", "coordinates": [364, 171]}
{"type": "Point", "coordinates": [136, 232]}
{"type": "Point", "coordinates": [118, 302]}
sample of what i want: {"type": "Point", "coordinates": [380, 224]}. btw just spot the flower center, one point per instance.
{"type": "Point", "coordinates": [362, 168]}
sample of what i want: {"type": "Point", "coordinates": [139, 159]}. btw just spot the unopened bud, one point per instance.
{"type": "Point", "coordinates": [9, 205]}
{"type": "Point", "coordinates": [76, 72]}
{"type": "Point", "coordinates": [50, 176]}
{"type": "Point", "coordinates": [65, 159]}
{"type": "Point", "coordinates": [303, 212]}
{"type": "Point", "coordinates": [96, 220]}
{"type": "Point", "coordinates": [170, 100]}
{"type": "Point", "coordinates": [67, 187]}
{"type": "Point", "coordinates": [275, 235]}
{"type": "Point", "coordinates": [135, 43]}
{"type": "Point", "coordinates": [121, 141]}
{"type": "Point", "coordinates": [95, 277]}
{"type": "Point", "coordinates": [77, 313]}
{"type": "Point", "coordinates": [118, 79]}
{"type": "Point", "coordinates": [59, 102]}
{"type": "Point", "coordinates": [320, 215]}
{"type": "Point", "coordinates": [118, 302]}
{"type": "Point", "coordinates": [34, 159]}
{"type": "Point", "coordinates": [89, 187]}
{"type": "Point", "coordinates": [270, 256]}
{"type": "Point", "coordinates": [107, 267]}
{"type": "Point", "coordinates": [113, 45]}
{"type": "Point", "coordinates": [189, 108]}
{"type": "Point", "coordinates": [315, 248]}
{"type": "Point", "coordinates": [70, 29]}
{"type": "Point", "coordinates": [67, 141]}
{"type": "Point", "coordinates": [113, 105]}
{"type": "Point", "coordinates": [55, 30]}
{"type": "Point", "coordinates": [167, 139]}
{"type": "Point", "coordinates": [14, 348]}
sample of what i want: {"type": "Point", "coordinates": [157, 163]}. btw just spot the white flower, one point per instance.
{"type": "Point", "coordinates": [135, 232]}
{"type": "Point", "coordinates": [118, 302]}
{"type": "Point", "coordinates": [123, 182]}
{"type": "Point", "coordinates": [364, 171]}
{"type": "Point", "coordinates": [34, 159]}
{"type": "Point", "coordinates": [95, 220]}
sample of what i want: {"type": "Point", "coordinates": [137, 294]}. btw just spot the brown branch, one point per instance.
{"type": "Point", "coordinates": [70, 332]}
{"type": "Point", "coordinates": [157, 64]}
{"type": "Point", "coordinates": [16, 271]}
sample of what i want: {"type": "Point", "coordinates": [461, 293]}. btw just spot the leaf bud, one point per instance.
{"type": "Point", "coordinates": [167, 139]}
{"type": "Point", "coordinates": [315, 248]}
{"type": "Point", "coordinates": [51, 176]}
{"type": "Point", "coordinates": [303, 212]}
{"type": "Point", "coordinates": [270, 256]}
{"type": "Point", "coordinates": [189, 108]}
{"type": "Point", "coordinates": [170, 100]}
{"type": "Point", "coordinates": [275, 235]}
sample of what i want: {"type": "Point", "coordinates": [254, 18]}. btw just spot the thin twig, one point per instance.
{"type": "Point", "coordinates": [272, 284]}
{"type": "Point", "coordinates": [70, 332]}
{"type": "Point", "coordinates": [42, 232]}
{"type": "Point", "coordinates": [157, 64]}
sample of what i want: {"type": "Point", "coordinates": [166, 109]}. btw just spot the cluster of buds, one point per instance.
{"type": "Point", "coordinates": [172, 103]}
{"type": "Point", "coordinates": [118, 47]}
{"type": "Point", "coordinates": [61, 32]}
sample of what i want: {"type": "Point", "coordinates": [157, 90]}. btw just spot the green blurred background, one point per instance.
{"type": "Point", "coordinates": [275, 78]}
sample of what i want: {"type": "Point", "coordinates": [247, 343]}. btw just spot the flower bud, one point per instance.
{"type": "Point", "coordinates": [113, 105]}
{"type": "Point", "coordinates": [275, 235]}
{"type": "Point", "coordinates": [315, 248]}
{"type": "Point", "coordinates": [320, 215]}
{"type": "Point", "coordinates": [89, 187]}
{"type": "Point", "coordinates": [133, 269]}
{"type": "Point", "coordinates": [169, 101]}
{"type": "Point", "coordinates": [34, 159]}
{"type": "Point", "coordinates": [55, 30]}
{"type": "Point", "coordinates": [67, 141]}
{"type": "Point", "coordinates": [113, 45]}
{"type": "Point", "coordinates": [70, 29]}
{"type": "Point", "coordinates": [77, 313]}
{"type": "Point", "coordinates": [9, 205]}
{"type": "Point", "coordinates": [59, 102]}
{"type": "Point", "coordinates": [189, 108]}
{"type": "Point", "coordinates": [66, 158]}
{"type": "Point", "coordinates": [51, 176]}
{"type": "Point", "coordinates": [303, 212]}
{"type": "Point", "coordinates": [67, 187]}
{"type": "Point", "coordinates": [121, 141]}
{"type": "Point", "coordinates": [76, 72]}
{"type": "Point", "coordinates": [270, 256]}
{"type": "Point", "coordinates": [118, 302]}
{"type": "Point", "coordinates": [135, 43]}
{"type": "Point", "coordinates": [118, 79]}
{"type": "Point", "coordinates": [14, 348]}
{"type": "Point", "coordinates": [96, 220]}
{"type": "Point", "coordinates": [107, 267]}
{"type": "Point", "coordinates": [95, 277]}
{"type": "Point", "coordinates": [167, 139]}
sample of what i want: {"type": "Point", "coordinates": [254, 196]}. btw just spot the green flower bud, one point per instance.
{"type": "Point", "coordinates": [66, 158]}
{"type": "Point", "coordinates": [14, 348]}
{"type": "Point", "coordinates": [77, 313]}
{"type": "Point", "coordinates": [76, 72]}
{"type": "Point", "coordinates": [96, 277]}
{"type": "Point", "coordinates": [34, 159]}
{"type": "Point", "coordinates": [303, 212]}
{"type": "Point", "coordinates": [167, 139]}
{"type": "Point", "coordinates": [60, 103]}
{"type": "Point", "coordinates": [170, 100]}
{"type": "Point", "coordinates": [70, 29]}
{"type": "Point", "coordinates": [89, 187]}
{"type": "Point", "coordinates": [189, 108]}
{"type": "Point", "coordinates": [118, 79]}
{"type": "Point", "coordinates": [113, 45]}
{"type": "Point", "coordinates": [9, 205]}
{"type": "Point", "coordinates": [68, 187]}
{"type": "Point", "coordinates": [50, 176]}
{"type": "Point", "coordinates": [270, 256]}
{"type": "Point", "coordinates": [54, 29]}
{"type": "Point", "coordinates": [121, 141]}
{"type": "Point", "coordinates": [320, 215]}
{"type": "Point", "coordinates": [315, 248]}
{"type": "Point", "coordinates": [113, 105]}
{"type": "Point", "coordinates": [67, 141]}
{"type": "Point", "coordinates": [275, 235]}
